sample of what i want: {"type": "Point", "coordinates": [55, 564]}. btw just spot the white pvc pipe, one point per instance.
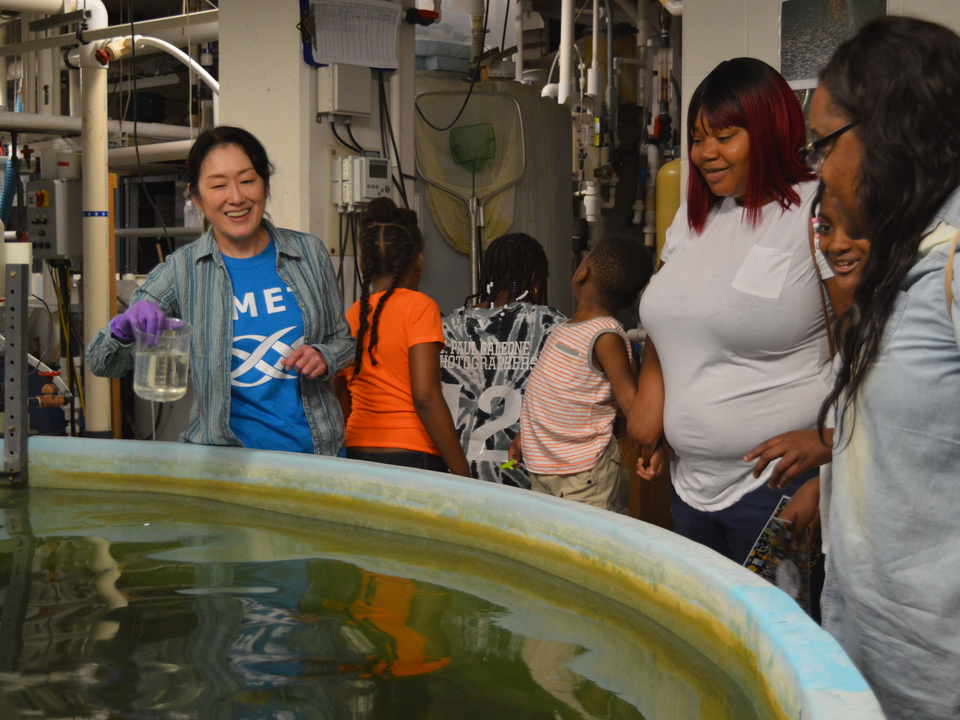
{"type": "Point", "coordinates": [593, 73]}
{"type": "Point", "coordinates": [73, 76]}
{"type": "Point", "coordinates": [45, 7]}
{"type": "Point", "coordinates": [157, 152]}
{"type": "Point", "coordinates": [3, 70]}
{"type": "Point", "coordinates": [565, 87]}
{"type": "Point", "coordinates": [63, 125]}
{"type": "Point", "coordinates": [674, 7]}
{"type": "Point", "coordinates": [96, 218]}
{"type": "Point", "coordinates": [182, 57]}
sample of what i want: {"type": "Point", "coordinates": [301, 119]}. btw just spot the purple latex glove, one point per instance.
{"type": "Point", "coordinates": [143, 314]}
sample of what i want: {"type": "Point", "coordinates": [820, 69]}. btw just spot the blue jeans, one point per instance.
{"type": "Point", "coordinates": [733, 531]}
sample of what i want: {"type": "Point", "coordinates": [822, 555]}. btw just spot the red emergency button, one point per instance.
{"type": "Point", "coordinates": [43, 198]}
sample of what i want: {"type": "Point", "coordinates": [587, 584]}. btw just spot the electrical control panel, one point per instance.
{"type": "Point", "coordinates": [355, 181]}
{"type": "Point", "coordinates": [344, 90]}
{"type": "Point", "coordinates": [55, 218]}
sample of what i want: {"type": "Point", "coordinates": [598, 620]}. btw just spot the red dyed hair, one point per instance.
{"type": "Point", "coordinates": [748, 93]}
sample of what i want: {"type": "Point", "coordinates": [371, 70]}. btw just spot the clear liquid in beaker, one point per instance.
{"type": "Point", "coordinates": [161, 376]}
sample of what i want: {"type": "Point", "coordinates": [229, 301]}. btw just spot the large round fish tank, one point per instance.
{"type": "Point", "coordinates": [613, 617]}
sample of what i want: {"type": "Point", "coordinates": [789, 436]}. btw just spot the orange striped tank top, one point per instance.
{"type": "Point", "coordinates": [568, 406]}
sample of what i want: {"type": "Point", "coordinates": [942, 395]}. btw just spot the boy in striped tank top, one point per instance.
{"type": "Point", "coordinates": [566, 439]}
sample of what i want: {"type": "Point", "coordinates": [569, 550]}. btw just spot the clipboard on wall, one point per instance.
{"type": "Point", "coordinates": [350, 32]}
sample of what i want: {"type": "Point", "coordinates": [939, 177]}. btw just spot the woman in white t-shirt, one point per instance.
{"type": "Point", "coordinates": [737, 349]}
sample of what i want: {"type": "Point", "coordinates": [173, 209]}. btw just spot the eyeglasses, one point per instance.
{"type": "Point", "coordinates": [814, 153]}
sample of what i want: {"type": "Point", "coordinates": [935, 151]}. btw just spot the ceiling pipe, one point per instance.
{"type": "Point", "coordinates": [204, 27]}
{"type": "Point", "coordinates": [64, 125]}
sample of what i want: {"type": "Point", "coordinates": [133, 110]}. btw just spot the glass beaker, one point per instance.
{"type": "Point", "coordinates": [162, 362]}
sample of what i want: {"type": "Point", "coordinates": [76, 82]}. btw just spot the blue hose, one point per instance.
{"type": "Point", "coordinates": [9, 179]}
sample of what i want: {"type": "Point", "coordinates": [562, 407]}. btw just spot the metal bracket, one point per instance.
{"type": "Point", "coordinates": [55, 21]}
{"type": "Point", "coordinates": [15, 394]}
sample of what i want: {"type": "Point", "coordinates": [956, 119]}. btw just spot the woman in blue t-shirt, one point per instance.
{"type": "Point", "coordinates": [269, 330]}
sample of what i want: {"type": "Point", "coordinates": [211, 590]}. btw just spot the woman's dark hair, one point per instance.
{"type": "Point", "coordinates": [900, 79]}
{"type": "Point", "coordinates": [517, 263]}
{"type": "Point", "coordinates": [748, 93]}
{"type": "Point", "coordinates": [227, 135]}
{"type": "Point", "coordinates": [390, 241]}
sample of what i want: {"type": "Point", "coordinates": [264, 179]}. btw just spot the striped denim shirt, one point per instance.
{"type": "Point", "coordinates": [193, 284]}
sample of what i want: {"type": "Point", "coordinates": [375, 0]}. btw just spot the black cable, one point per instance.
{"type": "Point", "coordinates": [348, 146]}
{"type": "Point", "coordinates": [356, 254]}
{"type": "Point", "coordinates": [473, 81]}
{"type": "Point", "coordinates": [49, 335]}
{"type": "Point", "coordinates": [385, 116]}
{"type": "Point", "coordinates": [341, 244]}
{"type": "Point", "coordinates": [136, 137]}
{"type": "Point", "coordinates": [347, 124]}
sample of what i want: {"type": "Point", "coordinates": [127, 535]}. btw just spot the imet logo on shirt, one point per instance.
{"type": "Point", "coordinates": [272, 302]}
{"type": "Point", "coordinates": [260, 355]}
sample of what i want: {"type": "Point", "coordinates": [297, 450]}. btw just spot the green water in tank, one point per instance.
{"type": "Point", "coordinates": [143, 607]}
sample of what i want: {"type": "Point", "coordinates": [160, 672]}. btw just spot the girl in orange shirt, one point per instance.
{"type": "Point", "coordinates": [394, 410]}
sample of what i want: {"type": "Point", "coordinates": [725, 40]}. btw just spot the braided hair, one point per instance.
{"type": "Point", "coordinates": [390, 241]}
{"type": "Point", "coordinates": [516, 263]}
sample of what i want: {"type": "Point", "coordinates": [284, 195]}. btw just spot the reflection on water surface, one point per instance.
{"type": "Point", "coordinates": [144, 607]}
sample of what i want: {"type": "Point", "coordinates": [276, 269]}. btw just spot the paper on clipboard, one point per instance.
{"type": "Point", "coordinates": [355, 32]}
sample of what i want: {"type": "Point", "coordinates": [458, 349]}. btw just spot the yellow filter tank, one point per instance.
{"type": "Point", "coordinates": [668, 200]}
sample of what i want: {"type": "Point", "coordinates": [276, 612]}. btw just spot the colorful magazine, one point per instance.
{"type": "Point", "coordinates": [782, 560]}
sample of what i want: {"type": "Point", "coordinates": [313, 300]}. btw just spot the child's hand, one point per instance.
{"type": "Point", "coordinates": [803, 510]}
{"type": "Point", "coordinates": [651, 463]}
{"type": "Point", "coordinates": [515, 453]}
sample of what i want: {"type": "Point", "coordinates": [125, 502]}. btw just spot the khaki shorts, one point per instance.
{"type": "Point", "coordinates": [598, 486]}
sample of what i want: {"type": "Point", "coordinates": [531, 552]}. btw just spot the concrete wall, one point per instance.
{"type": "Point", "coordinates": [268, 89]}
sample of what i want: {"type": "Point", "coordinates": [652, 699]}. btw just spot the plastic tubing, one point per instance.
{"type": "Point", "coordinates": [9, 178]}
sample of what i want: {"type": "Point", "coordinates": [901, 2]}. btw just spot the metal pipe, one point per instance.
{"type": "Point", "coordinates": [63, 125]}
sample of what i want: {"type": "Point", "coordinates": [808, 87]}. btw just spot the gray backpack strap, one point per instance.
{"type": "Point", "coordinates": [948, 280]}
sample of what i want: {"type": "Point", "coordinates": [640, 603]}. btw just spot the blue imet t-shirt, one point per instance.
{"type": "Point", "coordinates": [266, 410]}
